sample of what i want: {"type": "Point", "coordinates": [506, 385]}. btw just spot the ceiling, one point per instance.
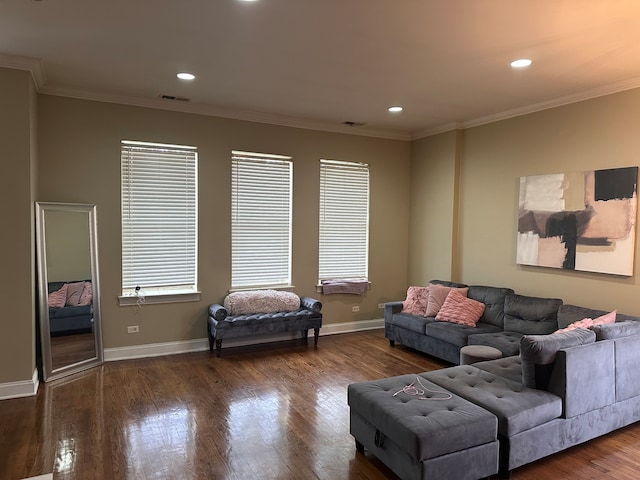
{"type": "Point", "coordinates": [320, 63]}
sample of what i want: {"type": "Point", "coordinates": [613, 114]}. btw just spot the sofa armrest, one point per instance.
{"type": "Point", "coordinates": [311, 304]}
{"type": "Point", "coordinates": [390, 308]}
{"type": "Point", "coordinates": [584, 376]}
{"type": "Point", "coordinates": [218, 312]}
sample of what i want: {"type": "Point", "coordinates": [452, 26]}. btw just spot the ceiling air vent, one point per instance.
{"type": "Point", "coordinates": [173, 97]}
{"type": "Point", "coordinates": [353, 124]}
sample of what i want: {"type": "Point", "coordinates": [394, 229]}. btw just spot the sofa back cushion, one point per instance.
{"type": "Point", "coordinates": [568, 314]}
{"type": "Point", "coordinates": [538, 353]}
{"type": "Point", "coordinates": [493, 298]}
{"type": "Point", "coordinates": [531, 315]}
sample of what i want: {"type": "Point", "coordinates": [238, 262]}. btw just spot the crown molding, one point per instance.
{"type": "Point", "coordinates": [33, 65]}
{"type": "Point", "coordinates": [610, 89]}
{"type": "Point", "coordinates": [605, 90]}
{"type": "Point", "coordinates": [213, 111]}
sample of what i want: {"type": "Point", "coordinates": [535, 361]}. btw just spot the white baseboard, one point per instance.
{"type": "Point", "coordinates": [202, 344]}
{"type": "Point", "coordinates": [22, 388]}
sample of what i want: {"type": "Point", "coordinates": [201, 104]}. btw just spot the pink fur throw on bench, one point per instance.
{"type": "Point", "coordinates": [261, 301]}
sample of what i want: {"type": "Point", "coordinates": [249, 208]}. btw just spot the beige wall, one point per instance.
{"type": "Point", "coordinates": [594, 134]}
{"type": "Point", "coordinates": [433, 213]}
{"type": "Point", "coordinates": [17, 158]}
{"type": "Point", "coordinates": [68, 246]}
{"type": "Point", "coordinates": [79, 161]}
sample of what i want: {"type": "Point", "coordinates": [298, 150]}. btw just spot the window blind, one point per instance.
{"type": "Point", "coordinates": [344, 220]}
{"type": "Point", "coordinates": [261, 194]}
{"type": "Point", "coordinates": [159, 217]}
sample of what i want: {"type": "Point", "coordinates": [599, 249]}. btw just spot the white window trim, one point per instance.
{"type": "Point", "coordinates": [254, 168]}
{"type": "Point", "coordinates": [163, 294]}
{"type": "Point", "coordinates": [335, 166]}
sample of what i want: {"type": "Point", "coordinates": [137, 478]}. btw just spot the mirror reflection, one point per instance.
{"type": "Point", "coordinates": [69, 310]}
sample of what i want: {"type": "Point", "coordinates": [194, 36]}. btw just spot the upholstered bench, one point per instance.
{"type": "Point", "coordinates": [422, 431]}
{"type": "Point", "coordinates": [257, 313]}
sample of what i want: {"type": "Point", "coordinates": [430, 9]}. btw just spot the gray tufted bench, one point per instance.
{"type": "Point", "coordinates": [221, 325]}
{"type": "Point", "coordinates": [435, 438]}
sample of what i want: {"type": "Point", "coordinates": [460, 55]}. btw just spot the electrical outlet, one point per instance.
{"type": "Point", "coordinates": [133, 329]}
{"type": "Point", "coordinates": [381, 305]}
{"type": "Point", "coordinates": [355, 308]}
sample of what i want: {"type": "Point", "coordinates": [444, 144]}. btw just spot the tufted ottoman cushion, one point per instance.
{"type": "Point", "coordinates": [438, 437]}
{"type": "Point", "coordinates": [517, 407]}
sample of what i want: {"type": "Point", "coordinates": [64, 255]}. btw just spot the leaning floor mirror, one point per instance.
{"type": "Point", "coordinates": [68, 288]}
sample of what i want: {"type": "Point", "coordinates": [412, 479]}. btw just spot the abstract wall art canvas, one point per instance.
{"type": "Point", "coordinates": [579, 221]}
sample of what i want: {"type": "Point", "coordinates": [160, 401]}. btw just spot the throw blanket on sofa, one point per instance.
{"type": "Point", "coordinates": [261, 301]}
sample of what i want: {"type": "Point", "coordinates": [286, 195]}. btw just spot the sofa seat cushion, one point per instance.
{"type": "Point", "coordinates": [531, 315]}
{"type": "Point", "coordinates": [75, 311]}
{"type": "Point", "coordinates": [264, 323]}
{"type": "Point", "coordinates": [457, 334]}
{"type": "Point", "coordinates": [507, 367]}
{"type": "Point", "coordinates": [507, 342]}
{"type": "Point", "coordinates": [517, 407]}
{"type": "Point", "coordinates": [415, 323]}
{"type": "Point", "coordinates": [422, 428]}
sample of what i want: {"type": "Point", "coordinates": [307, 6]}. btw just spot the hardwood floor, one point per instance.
{"type": "Point", "coordinates": [274, 411]}
{"type": "Point", "coordinates": [69, 349]}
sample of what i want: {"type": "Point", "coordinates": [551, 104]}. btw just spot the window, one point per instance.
{"type": "Point", "coordinates": [159, 219]}
{"type": "Point", "coordinates": [344, 220]}
{"type": "Point", "coordinates": [261, 192]}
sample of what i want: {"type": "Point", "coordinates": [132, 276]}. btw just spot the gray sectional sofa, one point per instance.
{"type": "Point", "coordinates": [561, 390]}
{"type": "Point", "coordinates": [506, 318]}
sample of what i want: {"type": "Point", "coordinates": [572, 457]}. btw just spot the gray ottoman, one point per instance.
{"type": "Point", "coordinates": [421, 434]}
{"type": "Point", "coordinates": [478, 353]}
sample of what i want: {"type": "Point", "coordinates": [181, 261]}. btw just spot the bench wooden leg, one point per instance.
{"type": "Point", "coordinates": [316, 334]}
{"type": "Point", "coordinates": [218, 347]}
{"type": "Point", "coordinates": [305, 336]}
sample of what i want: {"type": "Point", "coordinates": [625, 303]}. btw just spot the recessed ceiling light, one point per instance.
{"type": "Point", "coordinates": [521, 63]}
{"type": "Point", "coordinates": [395, 109]}
{"type": "Point", "coordinates": [185, 76]}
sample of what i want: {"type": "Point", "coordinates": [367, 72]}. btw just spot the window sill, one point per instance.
{"type": "Point", "coordinates": [150, 298]}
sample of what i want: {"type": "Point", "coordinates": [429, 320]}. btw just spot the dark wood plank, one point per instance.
{"type": "Point", "coordinates": [273, 411]}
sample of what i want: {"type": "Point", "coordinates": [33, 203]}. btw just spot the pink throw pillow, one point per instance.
{"type": "Point", "coordinates": [584, 323]}
{"type": "Point", "coordinates": [74, 290]}
{"type": "Point", "coordinates": [437, 296]}
{"type": "Point", "coordinates": [58, 298]}
{"type": "Point", "coordinates": [606, 318]}
{"type": "Point", "coordinates": [457, 308]}
{"type": "Point", "coordinates": [416, 302]}
{"type": "Point", "coordinates": [87, 294]}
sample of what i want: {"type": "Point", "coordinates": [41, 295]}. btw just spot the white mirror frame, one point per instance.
{"type": "Point", "coordinates": [48, 373]}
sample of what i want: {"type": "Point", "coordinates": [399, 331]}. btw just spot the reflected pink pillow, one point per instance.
{"type": "Point", "coordinates": [416, 302]}
{"type": "Point", "coordinates": [87, 294]}
{"type": "Point", "coordinates": [457, 308]}
{"type": "Point", "coordinates": [74, 290]}
{"type": "Point", "coordinates": [58, 298]}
